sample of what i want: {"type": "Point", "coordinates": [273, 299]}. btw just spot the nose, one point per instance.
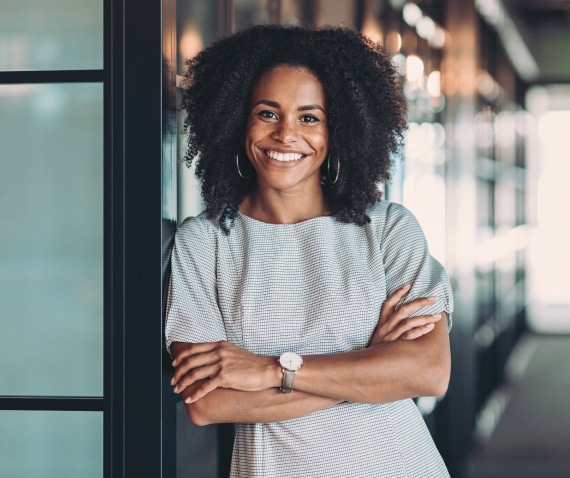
{"type": "Point", "coordinates": [285, 132]}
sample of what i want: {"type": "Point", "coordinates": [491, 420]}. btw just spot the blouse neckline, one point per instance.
{"type": "Point", "coordinates": [269, 224]}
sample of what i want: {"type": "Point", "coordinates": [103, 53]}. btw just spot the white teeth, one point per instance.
{"type": "Point", "coordinates": [284, 156]}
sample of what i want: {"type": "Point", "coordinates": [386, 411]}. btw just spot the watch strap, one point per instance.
{"type": "Point", "coordinates": [287, 383]}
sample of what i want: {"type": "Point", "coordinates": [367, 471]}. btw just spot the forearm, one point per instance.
{"type": "Point", "coordinates": [380, 374]}
{"type": "Point", "coordinates": [271, 405]}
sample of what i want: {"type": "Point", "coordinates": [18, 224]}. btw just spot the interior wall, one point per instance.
{"type": "Point", "coordinates": [549, 255]}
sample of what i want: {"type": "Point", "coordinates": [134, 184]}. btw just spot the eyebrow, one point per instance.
{"type": "Point", "coordinates": [274, 104]}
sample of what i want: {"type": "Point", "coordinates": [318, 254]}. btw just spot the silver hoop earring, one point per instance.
{"type": "Point", "coordinates": [239, 172]}
{"type": "Point", "coordinates": [329, 169]}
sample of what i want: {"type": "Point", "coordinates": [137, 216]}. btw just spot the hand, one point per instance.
{"type": "Point", "coordinates": [220, 364]}
{"type": "Point", "coordinates": [395, 324]}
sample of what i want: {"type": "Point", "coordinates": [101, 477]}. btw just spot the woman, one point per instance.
{"type": "Point", "coordinates": [297, 277]}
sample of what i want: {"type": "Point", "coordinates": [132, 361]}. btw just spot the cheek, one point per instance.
{"type": "Point", "coordinates": [319, 140]}
{"type": "Point", "coordinates": [252, 135]}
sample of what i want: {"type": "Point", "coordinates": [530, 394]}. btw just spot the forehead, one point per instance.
{"type": "Point", "coordinates": [289, 84]}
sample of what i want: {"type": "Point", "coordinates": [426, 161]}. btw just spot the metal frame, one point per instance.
{"type": "Point", "coordinates": [135, 379]}
{"type": "Point", "coordinates": [74, 404]}
{"type": "Point", "coordinates": [51, 76]}
{"type": "Point", "coordinates": [133, 388]}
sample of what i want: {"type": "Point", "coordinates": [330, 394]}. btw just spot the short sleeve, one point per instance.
{"type": "Point", "coordinates": [192, 311]}
{"type": "Point", "coordinates": [407, 261]}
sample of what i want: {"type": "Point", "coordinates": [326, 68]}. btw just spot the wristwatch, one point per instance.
{"type": "Point", "coordinates": [291, 363]}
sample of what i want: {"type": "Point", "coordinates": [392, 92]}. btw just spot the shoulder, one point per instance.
{"type": "Point", "coordinates": [386, 215]}
{"type": "Point", "coordinates": [198, 232]}
{"type": "Point", "coordinates": [394, 226]}
{"type": "Point", "coordinates": [200, 224]}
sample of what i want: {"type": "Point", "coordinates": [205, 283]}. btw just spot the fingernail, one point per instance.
{"type": "Point", "coordinates": [174, 363]}
{"type": "Point", "coordinates": [430, 326]}
{"type": "Point", "coordinates": [437, 316]}
{"type": "Point", "coordinates": [176, 389]}
{"type": "Point", "coordinates": [406, 287]}
{"type": "Point", "coordinates": [188, 400]}
{"type": "Point", "coordinates": [172, 382]}
{"type": "Point", "coordinates": [432, 299]}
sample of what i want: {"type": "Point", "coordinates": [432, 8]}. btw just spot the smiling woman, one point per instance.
{"type": "Point", "coordinates": [287, 142]}
{"type": "Point", "coordinates": [297, 277]}
{"type": "Point", "coordinates": [365, 113]}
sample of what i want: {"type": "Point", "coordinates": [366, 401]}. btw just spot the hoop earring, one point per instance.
{"type": "Point", "coordinates": [239, 172]}
{"type": "Point", "coordinates": [329, 169]}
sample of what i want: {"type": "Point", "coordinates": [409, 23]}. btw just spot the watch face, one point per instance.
{"type": "Point", "coordinates": [291, 361]}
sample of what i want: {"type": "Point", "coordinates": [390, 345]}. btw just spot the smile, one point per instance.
{"type": "Point", "coordinates": [284, 156]}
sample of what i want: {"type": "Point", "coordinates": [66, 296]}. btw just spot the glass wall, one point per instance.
{"type": "Point", "coordinates": [51, 246]}
{"type": "Point", "coordinates": [51, 35]}
{"type": "Point", "coordinates": [51, 444]}
{"type": "Point", "coordinates": [51, 253]}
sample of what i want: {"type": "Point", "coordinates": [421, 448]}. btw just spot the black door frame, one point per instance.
{"type": "Point", "coordinates": [139, 437]}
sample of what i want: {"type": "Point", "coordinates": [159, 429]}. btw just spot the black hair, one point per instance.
{"type": "Point", "coordinates": [366, 112]}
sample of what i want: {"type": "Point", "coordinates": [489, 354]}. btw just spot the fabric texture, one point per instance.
{"type": "Point", "coordinates": [314, 287]}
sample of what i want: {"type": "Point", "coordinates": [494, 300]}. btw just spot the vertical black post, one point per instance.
{"type": "Point", "coordinates": [113, 239]}
{"type": "Point", "coordinates": [133, 255]}
{"type": "Point", "coordinates": [143, 238]}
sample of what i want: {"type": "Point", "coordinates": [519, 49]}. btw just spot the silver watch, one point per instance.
{"type": "Point", "coordinates": [290, 363]}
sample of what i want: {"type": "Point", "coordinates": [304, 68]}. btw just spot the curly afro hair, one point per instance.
{"type": "Point", "coordinates": [366, 112]}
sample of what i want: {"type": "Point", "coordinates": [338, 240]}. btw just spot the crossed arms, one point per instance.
{"type": "Point", "coordinates": [406, 357]}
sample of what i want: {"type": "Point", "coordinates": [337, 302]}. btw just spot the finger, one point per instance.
{"type": "Point", "coordinates": [409, 308]}
{"type": "Point", "coordinates": [193, 349]}
{"type": "Point", "coordinates": [194, 361]}
{"type": "Point", "coordinates": [202, 391]}
{"type": "Point", "coordinates": [407, 325]}
{"type": "Point", "coordinates": [418, 332]}
{"type": "Point", "coordinates": [391, 302]}
{"type": "Point", "coordinates": [403, 312]}
{"type": "Point", "coordinates": [194, 375]}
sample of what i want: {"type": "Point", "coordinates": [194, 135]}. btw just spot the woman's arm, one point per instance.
{"type": "Point", "coordinates": [234, 406]}
{"type": "Point", "coordinates": [382, 373]}
{"type": "Point", "coordinates": [269, 404]}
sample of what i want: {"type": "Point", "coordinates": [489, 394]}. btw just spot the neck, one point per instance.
{"type": "Point", "coordinates": [277, 207]}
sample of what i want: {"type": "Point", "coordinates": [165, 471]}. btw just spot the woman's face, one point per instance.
{"type": "Point", "coordinates": [287, 135]}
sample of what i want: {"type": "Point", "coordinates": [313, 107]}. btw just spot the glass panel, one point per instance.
{"type": "Point", "coordinates": [196, 447]}
{"type": "Point", "coordinates": [51, 444]}
{"type": "Point", "coordinates": [51, 246]}
{"type": "Point", "coordinates": [251, 12]}
{"type": "Point", "coordinates": [292, 12]}
{"type": "Point", "coordinates": [51, 34]}
{"type": "Point", "coordinates": [196, 27]}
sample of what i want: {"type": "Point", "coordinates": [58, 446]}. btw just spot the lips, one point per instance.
{"type": "Point", "coordinates": [280, 156]}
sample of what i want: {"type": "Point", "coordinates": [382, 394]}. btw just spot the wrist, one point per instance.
{"type": "Point", "coordinates": [274, 373]}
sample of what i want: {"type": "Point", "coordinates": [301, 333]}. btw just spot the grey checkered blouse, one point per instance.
{"type": "Point", "coordinates": [315, 287]}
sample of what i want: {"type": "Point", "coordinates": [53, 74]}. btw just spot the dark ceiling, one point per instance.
{"type": "Point", "coordinates": [541, 12]}
{"type": "Point", "coordinates": [545, 28]}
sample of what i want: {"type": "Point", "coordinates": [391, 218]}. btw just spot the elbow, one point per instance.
{"type": "Point", "coordinates": [197, 414]}
{"type": "Point", "coordinates": [440, 385]}
{"type": "Point", "coordinates": [439, 379]}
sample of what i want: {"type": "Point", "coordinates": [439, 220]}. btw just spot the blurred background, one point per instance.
{"type": "Point", "coordinates": [485, 168]}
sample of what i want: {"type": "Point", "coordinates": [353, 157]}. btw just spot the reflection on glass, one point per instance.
{"type": "Point", "coordinates": [251, 12]}
{"type": "Point", "coordinates": [292, 12]}
{"type": "Point", "coordinates": [196, 26]}
{"type": "Point", "coordinates": [51, 444]}
{"type": "Point", "coordinates": [550, 255]}
{"type": "Point", "coordinates": [423, 190]}
{"type": "Point", "coordinates": [51, 35]}
{"type": "Point", "coordinates": [51, 246]}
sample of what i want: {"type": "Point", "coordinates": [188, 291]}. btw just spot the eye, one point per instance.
{"type": "Point", "coordinates": [309, 118]}
{"type": "Point", "coordinates": [267, 114]}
